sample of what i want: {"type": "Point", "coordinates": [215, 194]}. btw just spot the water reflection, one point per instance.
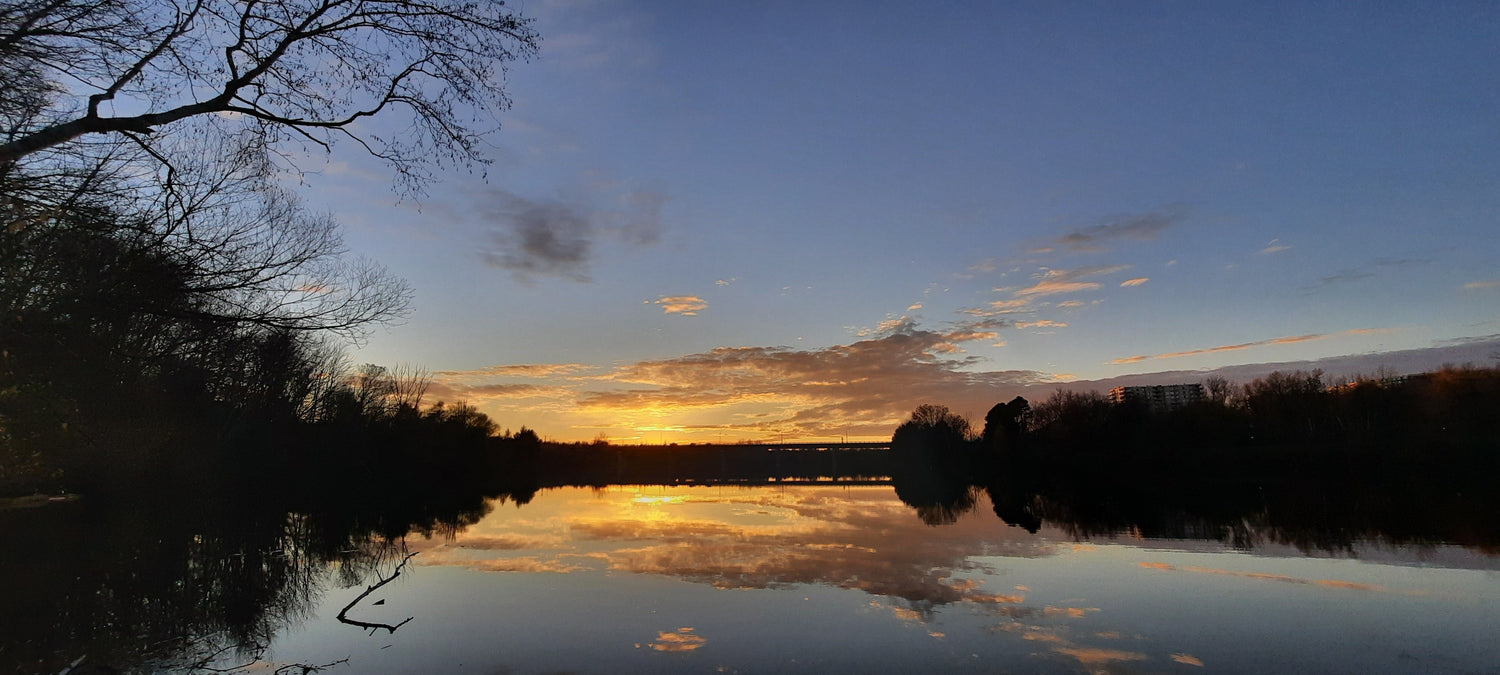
{"type": "Point", "coordinates": [1039, 568]}
{"type": "Point", "coordinates": [1048, 601]}
{"type": "Point", "coordinates": [187, 584]}
{"type": "Point", "coordinates": [854, 538]}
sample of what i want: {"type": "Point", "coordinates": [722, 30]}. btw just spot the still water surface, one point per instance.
{"type": "Point", "coordinates": [820, 578]}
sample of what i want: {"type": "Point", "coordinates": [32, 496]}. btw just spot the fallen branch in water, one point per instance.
{"type": "Point", "coordinates": [372, 627]}
{"type": "Point", "coordinates": [305, 668]}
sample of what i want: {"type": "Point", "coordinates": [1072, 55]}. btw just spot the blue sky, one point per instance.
{"type": "Point", "coordinates": [948, 200]}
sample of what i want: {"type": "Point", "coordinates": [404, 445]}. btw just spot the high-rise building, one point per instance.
{"type": "Point", "coordinates": [1160, 397]}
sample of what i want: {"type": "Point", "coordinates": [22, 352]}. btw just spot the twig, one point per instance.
{"type": "Point", "coordinates": [343, 613]}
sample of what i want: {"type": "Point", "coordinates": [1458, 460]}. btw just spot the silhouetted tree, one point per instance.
{"type": "Point", "coordinates": [270, 70]}
{"type": "Point", "coordinates": [1218, 390]}
{"type": "Point", "coordinates": [932, 430]}
{"type": "Point", "coordinates": [1072, 417]}
{"type": "Point", "coordinates": [1005, 423]}
{"type": "Point", "coordinates": [1287, 406]}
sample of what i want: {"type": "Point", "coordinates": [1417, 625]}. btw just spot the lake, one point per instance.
{"type": "Point", "coordinates": [816, 578]}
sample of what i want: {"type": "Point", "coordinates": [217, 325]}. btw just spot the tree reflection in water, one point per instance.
{"type": "Point", "coordinates": [178, 582]}
{"type": "Point", "coordinates": [186, 584]}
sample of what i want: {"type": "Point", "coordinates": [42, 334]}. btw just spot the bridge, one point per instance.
{"type": "Point", "coordinates": [808, 446]}
{"type": "Point", "coordinates": [813, 462]}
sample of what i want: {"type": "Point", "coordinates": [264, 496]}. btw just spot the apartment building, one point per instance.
{"type": "Point", "coordinates": [1160, 397]}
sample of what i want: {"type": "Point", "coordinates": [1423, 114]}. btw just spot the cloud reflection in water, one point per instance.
{"type": "Point", "coordinates": [850, 538]}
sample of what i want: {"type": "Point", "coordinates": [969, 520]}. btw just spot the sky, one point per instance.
{"type": "Point", "coordinates": [726, 221]}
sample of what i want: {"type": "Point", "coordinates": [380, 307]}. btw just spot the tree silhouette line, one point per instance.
{"type": "Point", "coordinates": [1285, 458]}
{"type": "Point", "coordinates": [1447, 414]}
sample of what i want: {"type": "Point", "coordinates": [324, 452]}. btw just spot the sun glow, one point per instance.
{"type": "Point", "coordinates": [672, 499]}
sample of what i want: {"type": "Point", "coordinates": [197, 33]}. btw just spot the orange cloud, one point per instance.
{"type": "Point", "coordinates": [682, 640]}
{"type": "Point", "coordinates": [1042, 323]}
{"type": "Point", "coordinates": [1476, 285]}
{"type": "Point", "coordinates": [1070, 612]}
{"type": "Point", "coordinates": [1059, 281]}
{"type": "Point", "coordinates": [517, 370]}
{"type": "Point", "coordinates": [1187, 659]}
{"type": "Point", "coordinates": [528, 564]}
{"type": "Point", "coordinates": [871, 383]}
{"type": "Point", "coordinates": [1247, 345]}
{"type": "Point", "coordinates": [440, 390]}
{"type": "Point", "coordinates": [1128, 283]}
{"type": "Point", "coordinates": [1048, 282]}
{"type": "Point", "coordinates": [999, 307]}
{"type": "Point", "coordinates": [1055, 287]}
{"type": "Point", "coordinates": [686, 305]}
{"type": "Point", "coordinates": [849, 538]}
{"type": "Point", "coordinates": [1095, 656]}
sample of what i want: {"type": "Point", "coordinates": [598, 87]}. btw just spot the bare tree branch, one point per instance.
{"type": "Point", "coordinates": [307, 67]}
{"type": "Point", "coordinates": [373, 626]}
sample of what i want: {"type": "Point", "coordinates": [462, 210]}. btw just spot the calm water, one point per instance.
{"type": "Point", "coordinates": [819, 578]}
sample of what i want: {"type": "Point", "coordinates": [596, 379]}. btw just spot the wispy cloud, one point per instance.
{"type": "Point", "coordinates": [1327, 583]}
{"type": "Point", "coordinates": [986, 265]}
{"type": "Point", "coordinates": [999, 307]}
{"type": "Point", "coordinates": [1137, 227]}
{"type": "Point", "coordinates": [480, 384]}
{"type": "Point", "coordinates": [518, 370]}
{"type": "Point", "coordinates": [1274, 246]}
{"type": "Point", "coordinates": [1476, 285]}
{"type": "Point", "coordinates": [686, 305]}
{"type": "Point", "coordinates": [1187, 659]}
{"type": "Point", "coordinates": [450, 391]}
{"type": "Point", "coordinates": [1042, 323]}
{"type": "Point", "coordinates": [641, 216]}
{"type": "Point", "coordinates": [1294, 339]}
{"type": "Point", "coordinates": [1128, 283]}
{"type": "Point", "coordinates": [1061, 281]}
{"type": "Point", "coordinates": [527, 564]}
{"type": "Point", "coordinates": [1365, 271]}
{"type": "Point", "coordinates": [537, 237]}
{"type": "Point", "coordinates": [549, 237]}
{"type": "Point", "coordinates": [1048, 282]}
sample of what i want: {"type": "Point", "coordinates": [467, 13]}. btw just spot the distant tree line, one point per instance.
{"type": "Point", "coordinates": [1285, 458]}
{"type": "Point", "coordinates": [1282, 420]}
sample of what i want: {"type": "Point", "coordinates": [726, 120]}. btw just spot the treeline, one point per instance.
{"type": "Point", "coordinates": [187, 334]}
{"type": "Point", "coordinates": [136, 352]}
{"type": "Point", "coordinates": [1285, 458]}
{"type": "Point", "coordinates": [1454, 406]}
{"type": "Point", "coordinates": [1433, 433]}
{"type": "Point", "coordinates": [276, 410]}
{"type": "Point", "coordinates": [1453, 409]}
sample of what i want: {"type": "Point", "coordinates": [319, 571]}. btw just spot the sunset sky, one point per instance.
{"type": "Point", "coordinates": [716, 221]}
